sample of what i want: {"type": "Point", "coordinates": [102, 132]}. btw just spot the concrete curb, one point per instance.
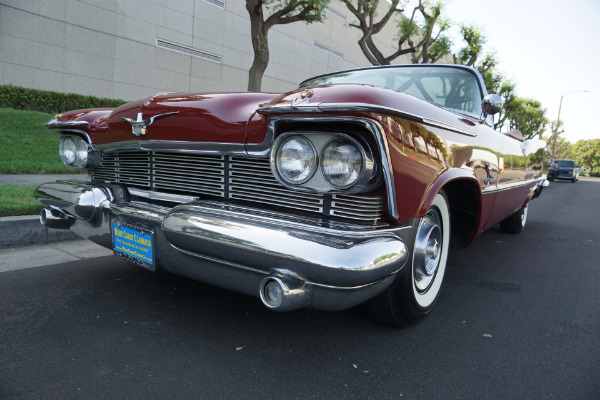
{"type": "Point", "coordinates": [27, 230]}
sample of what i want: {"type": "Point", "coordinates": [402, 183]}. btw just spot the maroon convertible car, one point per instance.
{"type": "Point", "coordinates": [350, 189]}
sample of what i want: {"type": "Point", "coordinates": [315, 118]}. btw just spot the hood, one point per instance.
{"type": "Point", "coordinates": [197, 117]}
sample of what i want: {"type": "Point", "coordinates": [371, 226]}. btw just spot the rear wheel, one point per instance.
{"type": "Point", "coordinates": [516, 222]}
{"type": "Point", "coordinates": [416, 288]}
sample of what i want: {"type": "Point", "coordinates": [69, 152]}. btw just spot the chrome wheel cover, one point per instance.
{"type": "Point", "coordinates": [524, 216]}
{"type": "Point", "coordinates": [427, 251]}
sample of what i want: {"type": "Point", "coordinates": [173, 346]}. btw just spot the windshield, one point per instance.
{"type": "Point", "coordinates": [448, 87]}
{"type": "Point", "coordinates": [566, 163]}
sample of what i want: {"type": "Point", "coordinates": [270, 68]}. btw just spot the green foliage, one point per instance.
{"type": "Point", "coordinates": [440, 48]}
{"type": "Point", "coordinates": [18, 200]}
{"type": "Point", "coordinates": [289, 8]}
{"type": "Point", "coordinates": [475, 41]}
{"type": "Point", "coordinates": [26, 146]}
{"type": "Point", "coordinates": [527, 115]}
{"type": "Point", "coordinates": [20, 98]}
{"type": "Point", "coordinates": [587, 153]}
{"type": "Point", "coordinates": [434, 44]}
{"type": "Point", "coordinates": [563, 149]}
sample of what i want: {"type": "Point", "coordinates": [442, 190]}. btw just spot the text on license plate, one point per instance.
{"type": "Point", "coordinates": [133, 242]}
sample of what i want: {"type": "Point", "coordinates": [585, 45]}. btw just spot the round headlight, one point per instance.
{"type": "Point", "coordinates": [342, 162]}
{"type": "Point", "coordinates": [67, 150]}
{"type": "Point", "coordinates": [81, 153]}
{"type": "Point", "coordinates": [296, 160]}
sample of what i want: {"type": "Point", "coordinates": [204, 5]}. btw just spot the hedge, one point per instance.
{"type": "Point", "coordinates": [20, 98]}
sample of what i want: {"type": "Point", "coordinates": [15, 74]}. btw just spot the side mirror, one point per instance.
{"type": "Point", "coordinates": [492, 104]}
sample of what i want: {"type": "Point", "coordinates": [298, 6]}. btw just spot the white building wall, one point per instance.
{"type": "Point", "coordinates": [108, 48]}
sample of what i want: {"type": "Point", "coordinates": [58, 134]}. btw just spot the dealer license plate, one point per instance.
{"type": "Point", "coordinates": [134, 244]}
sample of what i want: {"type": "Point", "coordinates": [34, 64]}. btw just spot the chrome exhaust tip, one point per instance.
{"type": "Point", "coordinates": [55, 219]}
{"type": "Point", "coordinates": [284, 292]}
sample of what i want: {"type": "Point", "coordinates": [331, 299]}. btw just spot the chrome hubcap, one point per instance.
{"type": "Point", "coordinates": [427, 251]}
{"type": "Point", "coordinates": [524, 215]}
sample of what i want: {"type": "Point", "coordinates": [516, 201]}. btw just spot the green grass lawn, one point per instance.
{"type": "Point", "coordinates": [28, 147]}
{"type": "Point", "coordinates": [18, 200]}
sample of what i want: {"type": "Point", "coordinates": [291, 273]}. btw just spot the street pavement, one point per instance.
{"type": "Point", "coordinates": [517, 319]}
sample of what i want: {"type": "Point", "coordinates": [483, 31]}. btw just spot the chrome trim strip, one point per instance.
{"type": "Point", "coordinates": [447, 127]}
{"type": "Point", "coordinates": [357, 107]}
{"type": "Point", "coordinates": [512, 185]}
{"type": "Point", "coordinates": [152, 195]}
{"type": "Point", "coordinates": [67, 131]}
{"type": "Point", "coordinates": [56, 124]}
{"type": "Point", "coordinates": [206, 148]}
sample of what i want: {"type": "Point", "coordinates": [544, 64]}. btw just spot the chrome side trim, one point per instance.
{"type": "Point", "coordinates": [512, 185]}
{"type": "Point", "coordinates": [447, 127]}
{"type": "Point", "coordinates": [357, 107]}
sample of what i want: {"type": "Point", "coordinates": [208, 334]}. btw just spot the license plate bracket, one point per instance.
{"type": "Point", "coordinates": [133, 243]}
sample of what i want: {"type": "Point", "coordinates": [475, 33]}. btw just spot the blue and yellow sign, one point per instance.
{"type": "Point", "coordinates": [133, 243]}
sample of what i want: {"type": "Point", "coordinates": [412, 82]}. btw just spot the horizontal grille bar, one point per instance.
{"type": "Point", "coordinates": [229, 178]}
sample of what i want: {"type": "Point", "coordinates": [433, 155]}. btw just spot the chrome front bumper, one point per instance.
{"type": "Point", "coordinates": [320, 265]}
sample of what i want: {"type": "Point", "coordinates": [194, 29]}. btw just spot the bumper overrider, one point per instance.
{"type": "Point", "coordinates": [289, 262]}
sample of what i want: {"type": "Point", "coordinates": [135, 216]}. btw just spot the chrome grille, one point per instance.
{"type": "Point", "coordinates": [235, 178]}
{"type": "Point", "coordinates": [366, 208]}
{"type": "Point", "coordinates": [188, 173]}
{"type": "Point", "coordinates": [252, 180]}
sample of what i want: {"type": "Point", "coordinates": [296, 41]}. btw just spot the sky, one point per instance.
{"type": "Point", "coordinates": [548, 48]}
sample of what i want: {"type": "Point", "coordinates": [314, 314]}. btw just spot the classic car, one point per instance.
{"type": "Point", "coordinates": [348, 190]}
{"type": "Point", "coordinates": [563, 169]}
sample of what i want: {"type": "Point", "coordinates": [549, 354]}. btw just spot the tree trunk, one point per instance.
{"type": "Point", "coordinates": [260, 62]}
{"type": "Point", "coordinates": [260, 44]}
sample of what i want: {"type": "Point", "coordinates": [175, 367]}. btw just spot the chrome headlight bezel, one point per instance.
{"type": "Point", "coordinates": [323, 159]}
{"type": "Point", "coordinates": [76, 152]}
{"type": "Point", "coordinates": [67, 149]}
{"type": "Point", "coordinates": [368, 177]}
{"type": "Point", "coordinates": [308, 147]}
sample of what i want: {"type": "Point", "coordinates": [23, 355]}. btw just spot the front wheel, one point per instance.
{"type": "Point", "coordinates": [516, 222]}
{"type": "Point", "coordinates": [416, 288]}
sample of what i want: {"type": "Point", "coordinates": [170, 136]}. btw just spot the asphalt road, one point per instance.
{"type": "Point", "coordinates": [518, 318]}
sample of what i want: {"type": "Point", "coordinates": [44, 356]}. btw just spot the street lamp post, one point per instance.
{"type": "Point", "coordinates": [558, 121]}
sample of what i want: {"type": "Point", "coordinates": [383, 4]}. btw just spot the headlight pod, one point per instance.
{"type": "Point", "coordinates": [73, 151]}
{"type": "Point", "coordinates": [67, 150]}
{"type": "Point", "coordinates": [296, 160]}
{"type": "Point", "coordinates": [346, 163]}
{"type": "Point", "coordinates": [342, 162]}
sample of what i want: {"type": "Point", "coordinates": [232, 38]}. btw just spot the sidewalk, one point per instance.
{"type": "Point", "coordinates": [49, 254]}
{"type": "Point", "coordinates": [27, 230]}
{"type": "Point", "coordinates": [37, 179]}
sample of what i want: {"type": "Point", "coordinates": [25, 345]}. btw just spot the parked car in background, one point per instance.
{"type": "Point", "coordinates": [563, 169]}
{"type": "Point", "coordinates": [350, 189]}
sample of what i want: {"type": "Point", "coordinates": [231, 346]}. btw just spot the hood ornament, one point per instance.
{"type": "Point", "coordinates": [303, 100]}
{"type": "Point", "coordinates": [138, 127]}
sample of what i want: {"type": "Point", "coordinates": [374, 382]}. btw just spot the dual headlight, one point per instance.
{"type": "Point", "coordinates": [343, 162]}
{"type": "Point", "coordinates": [73, 151]}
